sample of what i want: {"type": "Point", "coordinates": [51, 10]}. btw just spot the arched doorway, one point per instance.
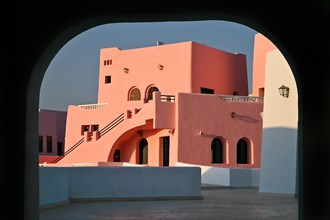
{"type": "Point", "coordinates": [216, 151]}
{"type": "Point", "coordinates": [242, 152]}
{"type": "Point", "coordinates": [143, 151]}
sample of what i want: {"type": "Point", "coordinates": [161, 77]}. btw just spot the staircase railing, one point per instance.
{"type": "Point", "coordinates": [102, 132]}
{"type": "Point", "coordinates": [69, 150]}
{"type": "Point", "coordinates": [112, 125]}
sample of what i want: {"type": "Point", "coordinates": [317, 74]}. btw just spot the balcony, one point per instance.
{"type": "Point", "coordinates": [92, 106]}
{"type": "Point", "coordinates": [233, 98]}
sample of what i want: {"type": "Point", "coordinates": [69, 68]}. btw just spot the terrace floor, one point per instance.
{"type": "Point", "coordinates": [217, 203]}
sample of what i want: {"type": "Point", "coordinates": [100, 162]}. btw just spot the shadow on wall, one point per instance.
{"type": "Point", "coordinates": [247, 119]}
{"type": "Point", "coordinates": [278, 172]}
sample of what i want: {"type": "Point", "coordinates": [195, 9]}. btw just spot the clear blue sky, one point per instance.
{"type": "Point", "coordinates": [72, 76]}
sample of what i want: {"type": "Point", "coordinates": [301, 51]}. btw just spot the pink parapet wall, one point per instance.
{"type": "Point", "coordinates": [262, 46]}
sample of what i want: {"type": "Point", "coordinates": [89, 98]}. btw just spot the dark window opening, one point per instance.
{"type": "Point", "coordinates": [242, 152]}
{"type": "Point", "coordinates": [60, 148]}
{"type": "Point", "coordinates": [95, 127]}
{"type": "Point", "coordinates": [143, 157]}
{"type": "Point", "coordinates": [217, 151]}
{"type": "Point", "coordinates": [84, 128]}
{"type": "Point", "coordinates": [150, 91]}
{"type": "Point", "coordinates": [107, 79]}
{"type": "Point", "coordinates": [166, 151]}
{"type": "Point", "coordinates": [261, 92]}
{"type": "Point", "coordinates": [129, 114]}
{"type": "Point", "coordinates": [107, 62]}
{"type": "Point", "coordinates": [207, 91]}
{"type": "Point", "coordinates": [116, 156]}
{"type": "Point", "coordinates": [49, 144]}
{"type": "Point", "coordinates": [41, 145]}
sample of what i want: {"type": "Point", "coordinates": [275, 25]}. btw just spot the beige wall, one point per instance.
{"type": "Point", "coordinates": [280, 121]}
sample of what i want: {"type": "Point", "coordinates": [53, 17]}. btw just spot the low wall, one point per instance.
{"type": "Point", "coordinates": [234, 177]}
{"type": "Point", "coordinates": [53, 186]}
{"type": "Point", "coordinates": [64, 184]}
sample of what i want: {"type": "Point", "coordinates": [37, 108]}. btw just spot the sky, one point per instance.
{"type": "Point", "coordinates": [72, 76]}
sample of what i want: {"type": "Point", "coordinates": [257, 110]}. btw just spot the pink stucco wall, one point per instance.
{"type": "Point", "coordinates": [177, 111]}
{"type": "Point", "coordinates": [150, 119]}
{"type": "Point", "coordinates": [143, 71]}
{"type": "Point", "coordinates": [212, 115]}
{"type": "Point", "coordinates": [262, 46]}
{"type": "Point", "coordinates": [221, 71]}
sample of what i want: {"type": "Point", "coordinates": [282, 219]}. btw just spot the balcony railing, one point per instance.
{"type": "Point", "coordinates": [92, 106]}
{"type": "Point", "coordinates": [233, 98]}
{"type": "Point", "coordinates": [167, 98]}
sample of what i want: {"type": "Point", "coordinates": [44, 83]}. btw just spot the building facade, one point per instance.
{"type": "Point", "coordinates": [168, 104]}
{"type": "Point", "coordinates": [51, 134]}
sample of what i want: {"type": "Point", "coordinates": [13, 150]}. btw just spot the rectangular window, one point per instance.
{"type": "Point", "coordinates": [207, 91]}
{"type": "Point", "coordinates": [107, 79]}
{"type": "Point", "coordinates": [107, 62]}
{"type": "Point", "coordinates": [84, 128]}
{"type": "Point", "coordinates": [60, 148]}
{"type": "Point", "coordinates": [41, 145]}
{"type": "Point", "coordinates": [49, 144]}
{"type": "Point", "coordinates": [261, 92]}
{"type": "Point", "coordinates": [95, 127]}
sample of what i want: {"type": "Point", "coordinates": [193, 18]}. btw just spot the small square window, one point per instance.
{"type": "Point", "coordinates": [84, 128]}
{"type": "Point", "coordinates": [95, 127]}
{"type": "Point", "coordinates": [107, 79]}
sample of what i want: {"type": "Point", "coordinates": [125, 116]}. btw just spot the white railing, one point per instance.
{"type": "Point", "coordinates": [234, 98]}
{"type": "Point", "coordinates": [167, 98]}
{"type": "Point", "coordinates": [92, 106]}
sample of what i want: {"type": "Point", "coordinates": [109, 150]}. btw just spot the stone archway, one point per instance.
{"type": "Point", "coordinates": [43, 34]}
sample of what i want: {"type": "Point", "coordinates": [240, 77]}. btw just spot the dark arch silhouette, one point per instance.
{"type": "Point", "coordinates": [217, 151]}
{"type": "Point", "coordinates": [150, 91]}
{"type": "Point", "coordinates": [242, 149]}
{"type": "Point", "coordinates": [143, 151]}
{"type": "Point", "coordinates": [294, 29]}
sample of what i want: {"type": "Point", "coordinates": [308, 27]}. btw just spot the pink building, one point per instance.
{"type": "Point", "coordinates": [51, 134]}
{"type": "Point", "coordinates": [160, 105]}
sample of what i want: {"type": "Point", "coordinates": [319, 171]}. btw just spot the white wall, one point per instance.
{"type": "Point", "coordinates": [234, 177]}
{"type": "Point", "coordinates": [53, 186]}
{"type": "Point", "coordinates": [62, 184]}
{"type": "Point", "coordinates": [280, 122]}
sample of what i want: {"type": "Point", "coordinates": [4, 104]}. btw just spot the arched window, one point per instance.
{"type": "Point", "coordinates": [134, 94]}
{"type": "Point", "coordinates": [143, 157]}
{"type": "Point", "coordinates": [150, 91]}
{"type": "Point", "coordinates": [242, 152]}
{"type": "Point", "coordinates": [217, 151]}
